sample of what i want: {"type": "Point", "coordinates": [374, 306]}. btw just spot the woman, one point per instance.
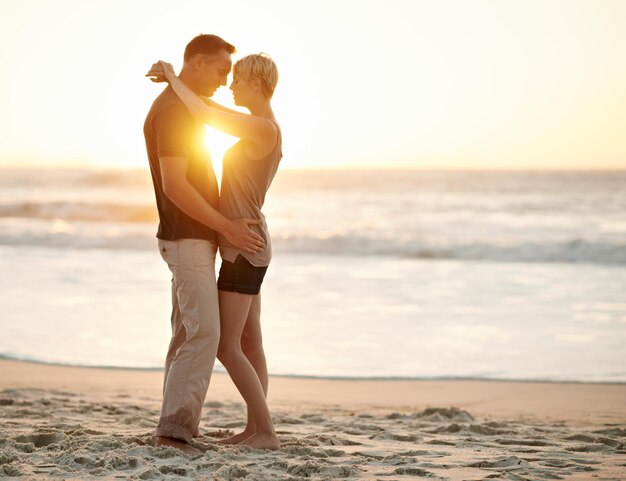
{"type": "Point", "coordinates": [248, 169]}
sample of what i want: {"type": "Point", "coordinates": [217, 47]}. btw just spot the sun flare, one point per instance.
{"type": "Point", "coordinates": [218, 143]}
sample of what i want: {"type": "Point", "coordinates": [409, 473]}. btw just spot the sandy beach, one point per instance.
{"type": "Point", "coordinates": [83, 423]}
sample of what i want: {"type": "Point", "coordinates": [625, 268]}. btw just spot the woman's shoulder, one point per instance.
{"type": "Point", "coordinates": [276, 136]}
{"type": "Point", "coordinates": [274, 122]}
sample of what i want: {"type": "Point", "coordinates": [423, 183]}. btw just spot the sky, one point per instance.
{"type": "Point", "coordinates": [383, 84]}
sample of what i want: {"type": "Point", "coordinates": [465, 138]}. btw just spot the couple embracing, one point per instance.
{"type": "Point", "coordinates": [213, 318]}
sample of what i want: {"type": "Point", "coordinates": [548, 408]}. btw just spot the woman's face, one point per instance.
{"type": "Point", "coordinates": [243, 90]}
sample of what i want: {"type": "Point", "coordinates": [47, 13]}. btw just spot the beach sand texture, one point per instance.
{"type": "Point", "coordinates": [84, 423]}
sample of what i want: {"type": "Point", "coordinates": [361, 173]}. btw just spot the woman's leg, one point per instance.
{"type": "Point", "coordinates": [252, 347]}
{"type": "Point", "coordinates": [234, 310]}
{"type": "Point", "coordinates": [252, 342]}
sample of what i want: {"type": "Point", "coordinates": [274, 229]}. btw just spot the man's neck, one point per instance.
{"type": "Point", "coordinates": [188, 80]}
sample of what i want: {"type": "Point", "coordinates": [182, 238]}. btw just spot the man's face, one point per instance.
{"type": "Point", "coordinates": [213, 72]}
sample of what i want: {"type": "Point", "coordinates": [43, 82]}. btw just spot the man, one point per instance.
{"type": "Point", "coordinates": [187, 195]}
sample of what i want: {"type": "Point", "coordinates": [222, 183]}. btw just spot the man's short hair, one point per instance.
{"type": "Point", "coordinates": [207, 45]}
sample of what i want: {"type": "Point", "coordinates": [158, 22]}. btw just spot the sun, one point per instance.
{"type": "Point", "coordinates": [218, 143]}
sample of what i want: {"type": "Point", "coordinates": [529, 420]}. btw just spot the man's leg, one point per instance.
{"type": "Point", "coordinates": [178, 337]}
{"type": "Point", "coordinates": [178, 334]}
{"type": "Point", "coordinates": [192, 263]}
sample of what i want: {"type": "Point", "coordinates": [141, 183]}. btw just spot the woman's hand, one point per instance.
{"type": "Point", "coordinates": [168, 70]}
{"type": "Point", "coordinates": [161, 72]}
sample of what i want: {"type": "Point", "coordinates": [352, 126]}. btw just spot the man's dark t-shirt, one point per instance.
{"type": "Point", "coordinates": [171, 131]}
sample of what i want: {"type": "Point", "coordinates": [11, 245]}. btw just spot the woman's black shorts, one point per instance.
{"type": "Point", "coordinates": [240, 276]}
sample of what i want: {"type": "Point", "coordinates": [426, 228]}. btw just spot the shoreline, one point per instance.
{"type": "Point", "coordinates": [331, 378]}
{"type": "Point", "coordinates": [566, 402]}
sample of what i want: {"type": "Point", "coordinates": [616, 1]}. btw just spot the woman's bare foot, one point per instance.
{"type": "Point", "coordinates": [175, 443]}
{"type": "Point", "coordinates": [237, 438]}
{"type": "Point", "coordinates": [262, 441]}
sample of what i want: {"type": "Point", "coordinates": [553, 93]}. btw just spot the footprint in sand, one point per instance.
{"type": "Point", "coordinates": [10, 471]}
{"type": "Point", "coordinates": [304, 451]}
{"type": "Point", "coordinates": [488, 430]}
{"type": "Point", "coordinates": [408, 438]}
{"type": "Point", "coordinates": [41, 439]}
{"type": "Point", "coordinates": [620, 432]}
{"type": "Point", "coordinates": [333, 441]}
{"type": "Point", "coordinates": [175, 470]}
{"type": "Point", "coordinates": [412, 471]}
{"type": "Point", "coordinates": [508, 462]}
{"type": "Point", "coordinates": [310, 468]}
{"type": "Point", "coordinates": [231, 472]}
{"type": "Point", "coordinates": [594, 440]}
{"type": "Point", "coordinates": [445, 414]}
{"type": "Point", "coordinates": [524, 442]}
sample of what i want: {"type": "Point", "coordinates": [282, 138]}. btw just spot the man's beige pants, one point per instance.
{"type": "Point", "coordinates": [195, 335]}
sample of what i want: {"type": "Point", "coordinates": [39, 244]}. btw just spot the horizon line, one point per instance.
{"type": "Point", "coordinates": [361, 167]}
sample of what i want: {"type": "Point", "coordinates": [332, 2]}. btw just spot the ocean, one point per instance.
{"type": "Point", "coordinates": [376, 274]}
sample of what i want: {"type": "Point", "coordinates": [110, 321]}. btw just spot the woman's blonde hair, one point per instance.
{"type": "Point", "coordinates": [260, 66]}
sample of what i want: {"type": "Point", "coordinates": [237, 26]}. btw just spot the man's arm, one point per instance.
{"type": "Point", "coordinates": [178, 189]}
{"type": "Point", "coordinates": [173, 137]}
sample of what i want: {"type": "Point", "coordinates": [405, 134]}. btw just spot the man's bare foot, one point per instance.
{"type": "Point", "coordinates": [262, 441]}
{"type": "Point", "coordinates": [175, 443]}
{"type": "Point", "coordinates": [236, 439]}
